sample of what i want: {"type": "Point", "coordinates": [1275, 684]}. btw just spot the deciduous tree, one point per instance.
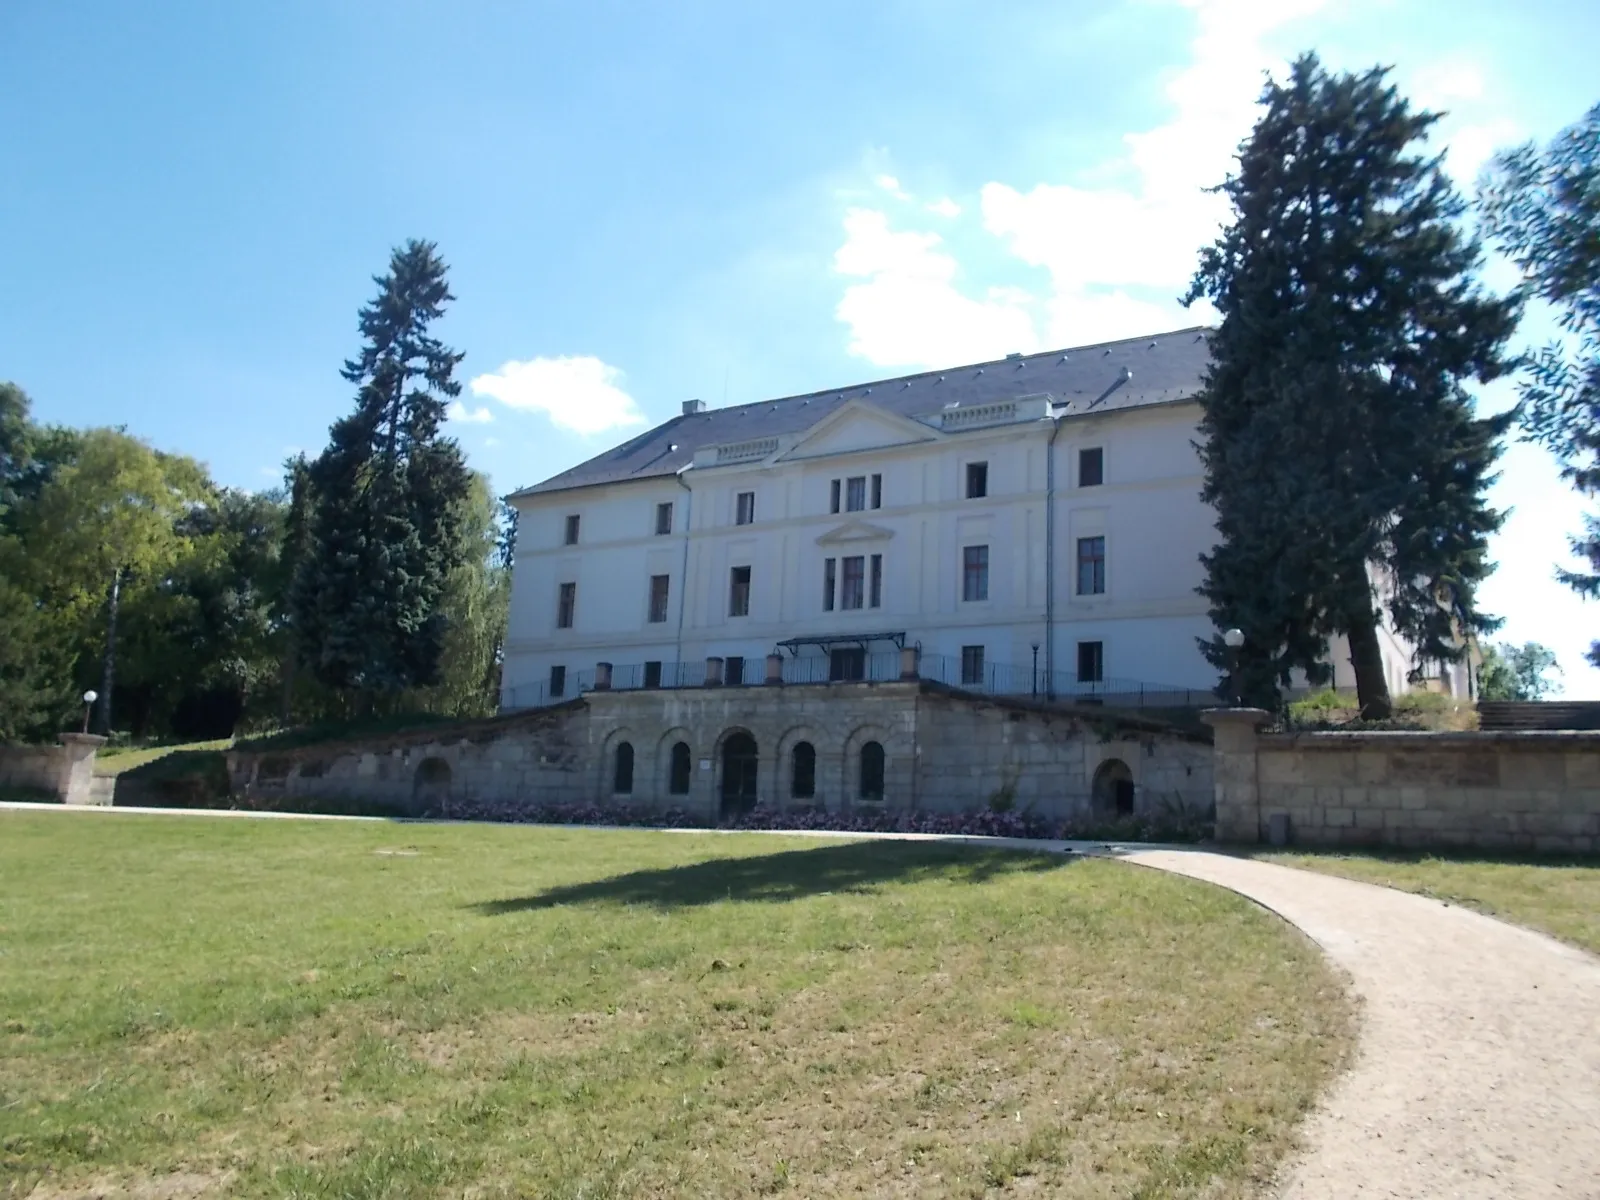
{"type": "Point", "coordinates": [1543, 208]}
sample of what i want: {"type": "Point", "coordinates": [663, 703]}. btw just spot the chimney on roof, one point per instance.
{"type": "Point", "coordinates": [1015, 354]}
{"type": "Point", "coordinates": [690, 407]}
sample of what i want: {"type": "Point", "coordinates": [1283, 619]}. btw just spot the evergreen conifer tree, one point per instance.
{"type": "Point", "coordinates": [1341, 452]}
{"type": "Point", "coordinates": [387, 496]}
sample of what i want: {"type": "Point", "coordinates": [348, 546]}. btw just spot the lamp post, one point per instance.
{"type": "Point", "coordinates": [1036, 668]}
{"type": "Point", "coordinates": [89, 698]}
{"type": "Point", "coordinates": [1233, 639]}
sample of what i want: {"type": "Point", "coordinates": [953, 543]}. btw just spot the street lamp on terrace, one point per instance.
{"type": "Point", "coordinates": [1233, 639]}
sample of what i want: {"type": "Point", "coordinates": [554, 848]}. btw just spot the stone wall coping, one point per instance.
{"type": "Point", "coordinates": [419, 735]}
{"type": "Point", "coordinates": [1423, 739]}
{"type": "Point", "coordinates": [1091, 713]}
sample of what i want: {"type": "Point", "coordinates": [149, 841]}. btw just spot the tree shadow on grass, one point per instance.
{"type": "Point", "coordinates": [791, 875]}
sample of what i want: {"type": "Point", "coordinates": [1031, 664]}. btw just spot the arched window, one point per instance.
{"type": "Point", "coordinates": [803, 783]}
{"type": "Point", "coordinates": [622, 779]}
{"type": "Point", "coordinates": [872, 771]}
{"type": "Point", "coordinates": [678, 777]}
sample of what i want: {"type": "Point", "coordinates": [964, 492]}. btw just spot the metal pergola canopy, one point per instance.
{"type": "Point", "coordinates": [794, 645]}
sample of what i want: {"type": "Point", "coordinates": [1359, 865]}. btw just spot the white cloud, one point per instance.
{"type": "Point", "coordinates": [1442, 84]}
{"type": "Point", "coordinates": [1120, 250]}
{"type": "Point", "coordinates": [1472, 129]}
{"type": "Point", "coordinates": [1098, 241]}
{"type": "Point", "coordinates": [891, 185]}
{"type": "Point", "coordinates": [477, 416]}
{"type": "Point", "coordinates": [1100, 244]}
{"type": "Point", "coordinates": [908, 312]}
{"type": "Point", "coordinates": [578, 393]}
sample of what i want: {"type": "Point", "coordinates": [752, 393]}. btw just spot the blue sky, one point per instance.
{"type": "Point", "coordinates": [644, 204]}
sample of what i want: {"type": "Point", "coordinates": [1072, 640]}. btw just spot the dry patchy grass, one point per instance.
{"type": "Point", "coordinates": [200, 1007]}
{"type": "Point", "coordinates": [1558, 897]}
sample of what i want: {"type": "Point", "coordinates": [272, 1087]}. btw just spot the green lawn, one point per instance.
{"type": "Point", "coordinates": [1558, 897]}
{"type": "Point", "coordinates": [194, 1006]}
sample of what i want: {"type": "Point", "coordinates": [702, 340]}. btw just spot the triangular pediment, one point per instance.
{"type": "Point", "coordinates": [859, 425]}
{"type": "Point", "coordinates": [854, 531]}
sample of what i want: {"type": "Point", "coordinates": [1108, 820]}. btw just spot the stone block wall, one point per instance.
{"type": "Point", "coordinates": [65, 771]}
{"type": "Point", "coordinates": [1046, 759]}
{"type": "Point", "coordinates": [1522, 790]}
{"type": "Point", "coordinates": [942, 752]}
{"type": "Point", "coordinates": [537, 755]}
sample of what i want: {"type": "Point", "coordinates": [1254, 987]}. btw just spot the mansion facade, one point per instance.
{"type": "Point", "coordinates": [1030, 526]}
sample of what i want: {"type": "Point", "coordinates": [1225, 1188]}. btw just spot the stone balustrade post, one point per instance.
{"type": "Point", "coordinates": [774, 669]}
{"type": "Point", "coordinates": [713, 671]}
{"type": "Point", "coordinates": [1238, 787]}
{"type": "Point", "coordinates": [910, 662]}
{"type": "Point", "coordinates": [602, 677]}
{"type": "Point", "coordinates": [76, 784]}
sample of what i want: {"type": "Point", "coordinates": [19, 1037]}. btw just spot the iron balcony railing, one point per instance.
{"type": "Point", "coordinates": [989, 678]}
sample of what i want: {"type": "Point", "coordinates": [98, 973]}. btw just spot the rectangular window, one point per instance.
{"type": "Point", "coordinates": [663, 519]}
{"type": "Point", "coordinates": [977, 480]}
{"type": "Point", "coordinates": [733, 670]}
{"type": "Point", "coordinates": [972, 666]}
{"type": "Point", "coordinates": [852, 591]}
{"type": "Point", "coordinates": [652, 674]}
{"type": "Point", "coordinates": [855, 493]}
{"type": "Point", "coordinates": [1091, 662]}
{"type": "Point", "coordinates": [572, 529]}
{"type": "Point", "coordinates": [833, 496]}
{"type": "Point", "coordinates": [558, 681]}
{"type": "Point", "coordinates": [745, 509]}
{"type": "Point", "coordinates": [847, 665]}
{"type": "Point", "coordinates": [566, 606]}
{"type": "Point", "coordinates": [828, 565]}
{"type": "Point", "coordinates": [660, 589]}
{"type": "Point", "coordinates": [975, 573]}
{"type": "Point", "coordinates": [1091, 467]}
{"type": "Point", "coordinates": [877, 491]}
{"type": "Point", "coordinates": [1091, 566]}
{"type": "Point", "coordinates": [875, 595]}
{"type": "Point", "coordinates": [739, 592]}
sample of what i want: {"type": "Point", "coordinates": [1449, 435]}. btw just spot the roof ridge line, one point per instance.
{"type": "Point", "coordinates": [840, 390]}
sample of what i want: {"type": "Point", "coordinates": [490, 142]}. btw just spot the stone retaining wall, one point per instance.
{"type": "Point", "coordinates": [943, 751]}
{"type": "Point", "coordinates": [1521, 790]}
{"type": "Point", "coordinates": [65, 771]}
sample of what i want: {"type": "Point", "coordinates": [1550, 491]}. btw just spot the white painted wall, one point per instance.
{"type": "Point", "coordinates": [1148, 510]}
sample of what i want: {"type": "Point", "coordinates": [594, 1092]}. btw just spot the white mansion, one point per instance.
{"type": "Point", "coordinates": [1033, 525]}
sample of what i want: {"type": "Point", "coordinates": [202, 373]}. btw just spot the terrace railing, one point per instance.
{"type": "Point", "coordinates": [991, 678]}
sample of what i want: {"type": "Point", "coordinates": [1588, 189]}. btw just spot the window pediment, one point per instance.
{"type": "Point", "coordinates": [852, 532]}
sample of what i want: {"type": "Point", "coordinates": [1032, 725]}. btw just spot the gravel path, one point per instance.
{"type": "Point", "coordinates": [1477, 1070]}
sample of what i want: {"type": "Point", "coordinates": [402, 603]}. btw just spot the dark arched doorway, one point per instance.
{"type": "Point", "coordinates": [1113, 788]}
{"type": "Point", "coordinates": [430, 789]}
{"type": "Point", "coordinates": [739, 761]}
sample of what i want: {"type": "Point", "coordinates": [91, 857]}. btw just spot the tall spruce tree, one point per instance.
{"type": "Point", "coordinates": [387, 497]}
{"type": "Point", "coordinates": [1341, 452]}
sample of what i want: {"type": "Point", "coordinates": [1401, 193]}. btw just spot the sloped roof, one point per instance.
{"type": "Point", "coordinates": [1161, 368]}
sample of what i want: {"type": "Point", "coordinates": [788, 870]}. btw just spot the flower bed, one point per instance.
{"type": "Point", "coordinates": [1143, 827]}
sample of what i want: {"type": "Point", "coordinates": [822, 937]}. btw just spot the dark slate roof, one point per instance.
{"type": "Point", "coordinates": [1161, 368]}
